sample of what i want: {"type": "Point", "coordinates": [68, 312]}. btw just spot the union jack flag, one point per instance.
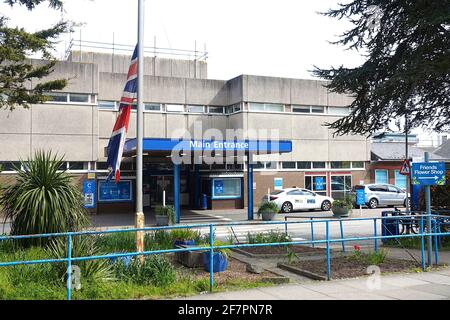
{"type": "Point", "coordinates": [119, 132]}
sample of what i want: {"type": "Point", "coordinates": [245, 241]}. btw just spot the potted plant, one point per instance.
{"type": "Point", "coordinates": [220, 258]}
{"type": "Point", "coordinates": [268, 210]}
{"type": "Point", "coordinates": [184, 237]}
{"type": "Point", "coordinates": [341, 208]}
{"type": "Point", "coordinates": [164, 215]}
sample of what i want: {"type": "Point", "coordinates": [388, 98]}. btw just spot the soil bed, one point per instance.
{"type": "Point", "coordinates": [279, 250]}
{"type": "Point", "coordinates": [236, 271]}
{"type": "Point", "coordinates": [348, 267]}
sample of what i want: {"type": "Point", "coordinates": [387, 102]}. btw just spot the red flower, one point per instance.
{"type": "Point", "coordinates": [357, 248]}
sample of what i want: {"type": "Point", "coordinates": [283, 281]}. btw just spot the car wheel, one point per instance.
{"type": "Point", "coordinates": [373, 203]}
{"type": "Point", "coordinates": [326, 205]}
{"type": "Point", "coordinates": [286, 207]}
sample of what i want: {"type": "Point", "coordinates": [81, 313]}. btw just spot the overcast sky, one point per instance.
{"type": "Point", "coordinates": [283, 38]}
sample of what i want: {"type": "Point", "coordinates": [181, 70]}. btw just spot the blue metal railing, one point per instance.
{"type": "Point", "coordinates": [436, 233]}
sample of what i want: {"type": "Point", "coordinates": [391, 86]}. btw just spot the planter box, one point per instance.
{"type": "Point", "coordinates": [301, 272]}
{"type": "Point", "coordinates": [340, 212]}
{"type": "Point", "coordinates": [162, 221]}
{"type": "Point", "coordinates": [220, 262]}
{"type": "Point", "coordinates": [268, 216]}
{"type": "Point", "coordinates": [190, 259]}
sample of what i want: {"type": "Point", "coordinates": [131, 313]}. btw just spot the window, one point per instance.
{"type": "Point", "coordinates": [78, 166]}
{"type": "Point", "coordinates": [339, 110]}
{"type": "Point", "coordinates": [196, 109]}
{"type": "Point", "coordinates": [102, 166]}
{"type": "Point", "coordinates": [216, 110]}
{"type": "Point", "coordinates": [107, 105]}
{"type": "Point", "coordinates": [378, 188]}
{"type": "Point", "coordinates": [79, 98]}
{"type": "Point", "coordinates": [301, 109]}
{"type": "Point", "coordinates": [340, 186]}
{"type": "Point", "coordinates": [303, 165]}
{"type": "Point", "coordinates": [340, 164]}
{"type": "Point", "coordinates": [316, 109]}
{"type": "Point", "coordinates": [236, 107]}
{"type": "Point", "coordinates": [288, 165]}
{"type": "Point", "coordinates": [258, 165]}
{"type": "Point", "coordinates": [226, 188]}
{"type": "Point", "coordinates": [57, 96]}
{"type": "Point", "coordinates": [174, 108]}
{"type": "Point", "coordinates": [152, 107]}
{"type": "Point", "coordinates": [358, 164]}
{"type": "Point", "coordinates": [381, 176]}
{"type": "Point", "coordinates": [319, 165]}
{"type": "Point", "coordinates": [400, 180]}
{"type": "Point", "coordinates": [9, 166]}
{"type": "Point", "coordinates": [295, 193]}
{"type": "Point", "coordinates": [271, 107]}
{"type": "Point", "coordinates": [318, 184]}
{"type": "Point", "coordinates": [272, 165]}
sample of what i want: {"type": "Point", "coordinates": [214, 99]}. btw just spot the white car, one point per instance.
{"type": "Point", "coordinates": [291, 199]}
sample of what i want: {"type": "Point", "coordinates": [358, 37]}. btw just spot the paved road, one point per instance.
{"type": "Point", "coordinates": [418, 286]}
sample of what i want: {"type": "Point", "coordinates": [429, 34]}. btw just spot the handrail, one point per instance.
{"type": "Point", "coordinates": [328, 241]}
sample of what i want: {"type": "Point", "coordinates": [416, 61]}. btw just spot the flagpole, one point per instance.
{"type": "Point", "coordinates": [140, 218]}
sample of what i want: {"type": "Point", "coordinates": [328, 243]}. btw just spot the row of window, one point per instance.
{"type": "Point", "coordinates": [63, 97]}
{"type": "Point", "coordinates": [308, 165]}
{"type": "Point", "coordinates": [179, 108]}
{"type": "Point", "coordinates": [382, 176]}
{"type": "Point", "coordinates": [67, 165]}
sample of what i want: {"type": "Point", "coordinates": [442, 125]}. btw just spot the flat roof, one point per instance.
{"type": "Point", "coordinates": [166, 145]}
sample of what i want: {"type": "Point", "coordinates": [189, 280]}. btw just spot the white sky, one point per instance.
{"type": "Point", "coordinates": [282, 38]}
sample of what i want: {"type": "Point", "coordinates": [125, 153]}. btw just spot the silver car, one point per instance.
{"type": "Point", "coordinates": [378, 194]}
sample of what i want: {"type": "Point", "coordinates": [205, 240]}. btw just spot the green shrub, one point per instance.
{"type": "Point", "coordinates": [371, 258]}
{"type": "Point", "coordinates": [154, 270]}
{"type": "Point", "coordinates": [159, 239]}
{"type": "Point", "coordinates": [268, 237]}
{"type": "Point", "coordinates": [185, 234]}
{"type": "Point", "coordinates": [166, 211]}
{"type": "Point", "coordinates": [347, 203]}
{"type": "Point", "coordinates": [226, 252]}
{"type": "Point", "coordinates": [117, 242]}
{"type": "Point", "coordinates": [43, 199]}
{"type": "Point", "coordinates": [268, 207]}
{"type": "Point", "coordinates": [82, 246]}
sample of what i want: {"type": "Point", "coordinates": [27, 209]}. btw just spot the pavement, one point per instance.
{"type": "Point", "coordinates": [432, 285]}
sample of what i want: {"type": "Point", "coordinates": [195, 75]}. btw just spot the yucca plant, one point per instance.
{"type": "Point", "coordinates": [43, 199]}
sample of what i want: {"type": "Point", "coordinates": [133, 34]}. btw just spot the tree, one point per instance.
{"type": "Point", "coordinates": [406, 73]}
{"type": "Point", "coordinates": [16, 71]}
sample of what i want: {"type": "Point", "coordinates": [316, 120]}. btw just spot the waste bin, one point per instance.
{"type": "Point", "coordinates": [389, 227]}
{"type": "Point", "coordinates": [203, 202]}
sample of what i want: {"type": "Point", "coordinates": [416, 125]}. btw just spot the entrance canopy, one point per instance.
{"type": "Point", "coordinates": [157, 146]}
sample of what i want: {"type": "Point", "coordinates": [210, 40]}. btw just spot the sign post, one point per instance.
{"type": "Point", "coordinates": [360, 198]}
{"type": "Point", "coordinates": [428, 174]}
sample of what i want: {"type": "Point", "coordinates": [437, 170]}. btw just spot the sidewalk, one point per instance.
{"type": "Point", "coordinates": [433, 285]}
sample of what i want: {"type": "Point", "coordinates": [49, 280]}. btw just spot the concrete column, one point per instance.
{"type": "Point", "coordinates": [176, 192]}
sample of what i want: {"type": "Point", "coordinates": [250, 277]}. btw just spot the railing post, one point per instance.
{"type": "Point", "coordinates": [436, 249]}
{"type": "Point", "coordinates": [69, 267]}
{"type": "Point", "coordinates": [422, 243]}
{"type": "Point", "coordinates": [328, 250]}
{"type": "Point", "coordinates": [375, 234]}
{"type": "Point", "coordinates": [211, 258]}
{"type": "Point", "coordinates": [342, 234]}
{"type": "Point", "coordinates": [285, 226]}
{"type": "Point", "coordinates": [312, 232]}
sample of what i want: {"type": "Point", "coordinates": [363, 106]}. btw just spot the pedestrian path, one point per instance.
{"type": "Point", "coordinates": [433, 285]}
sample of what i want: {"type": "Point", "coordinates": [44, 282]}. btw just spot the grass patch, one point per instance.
{"type": "Point", "coordinates": [415, 243]}
{"type": "Point", "coordinates": [268, 237]}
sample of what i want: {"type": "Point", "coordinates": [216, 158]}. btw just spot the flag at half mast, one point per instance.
{"type": "Point", "coordinates": [119, 132]}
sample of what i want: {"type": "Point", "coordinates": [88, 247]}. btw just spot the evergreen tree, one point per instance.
{"type": "Point", "coordinates": [406, 72]}
{"type": "Point", "coordinates": [18, 75]}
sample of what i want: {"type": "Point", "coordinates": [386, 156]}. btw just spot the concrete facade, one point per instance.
{"type": "Point", "coordinates": [81, 131]}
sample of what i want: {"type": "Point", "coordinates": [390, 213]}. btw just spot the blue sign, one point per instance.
{"type": "Point", "coordinates": [360, 197]}
{"type": "Point", "coordinates": [320, 183]}
{"type": "Point", "coordinates": [114, 192]}
{"type": "Point", "coordinates": [89, 191]}
{"type": "Point", "coordinates": [428, 173]}
{"type": "Point", "coordinates": [278, 183]}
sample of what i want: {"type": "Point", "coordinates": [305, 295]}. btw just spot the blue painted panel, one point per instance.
{"type": "Point", "coordinates": [428, 173]}
{"type": "Point", "coordinates": [112, 192]}
{"type": "Point", "coordinates": [320, 183]}
{"type": "Point", "coordinates": [89, 192]}
{"type": "Point", "coordinates": [360, 197]}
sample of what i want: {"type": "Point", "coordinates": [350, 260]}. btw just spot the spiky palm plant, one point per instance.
{"type": "Point", "coordinates": [43, 199]}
